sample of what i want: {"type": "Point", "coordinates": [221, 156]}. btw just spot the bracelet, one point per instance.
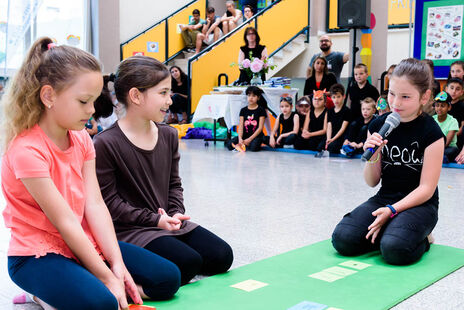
{"type": "Point", "coordinates": [393, 210]}
{"type": "Point", "coordinates": [376, 160]}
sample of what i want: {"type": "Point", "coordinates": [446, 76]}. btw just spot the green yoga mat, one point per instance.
{"type": "Point", "coordinates": [362, 282]}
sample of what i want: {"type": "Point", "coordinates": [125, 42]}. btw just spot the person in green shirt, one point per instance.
{"type": "Point", "coordinates": [190, 31]}
{"type": "Point", "coordinates": [448, 125]}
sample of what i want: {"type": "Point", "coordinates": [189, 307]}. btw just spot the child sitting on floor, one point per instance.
{"type": "Point", "coordinates": [357, 132]}
{"type": "Point", "coordinates": [448, 125]}
{"type": "Point", "coordinates": [381, 105]}
{"type": "Point", "coordinates": [290, 122]}
{"type": "Point", "coordinates": [302, 108]}
{"type": "Point", "coordinates": [338, 120]}
{"type": "Point", "coordinates": [315, 125]}
{"type": "Point", "coordinates": [251, 124]}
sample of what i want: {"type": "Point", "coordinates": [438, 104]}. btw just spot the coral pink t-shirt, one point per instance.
{"type": "Point", "coordinates": [33, 155]}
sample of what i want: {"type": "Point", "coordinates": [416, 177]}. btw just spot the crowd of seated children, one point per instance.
{"type": "Point", "coordinates": [315, 124]}
{"type": "Point", "coordinates": [357, 131]}
{"type": "Point", "coordinates": [360, 90]}
{"type": "Point", "coordinates": [251, 124]}
{"type": "Point", "coordinates": [448, 125]}
{"type": "Point", "coordinates": [338, 119]}
{"type": "Point", "coordinates": [290, 123]}
{"type": "Point", "coordinates": [455, 88]}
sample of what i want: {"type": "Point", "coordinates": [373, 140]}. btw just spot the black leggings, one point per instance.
{"type": "Point", "coordinates": [254, 146]}
{"type": "Point", "coordinates": [402, 240]}
{"type": "Point", "coordinates": [197, 252]}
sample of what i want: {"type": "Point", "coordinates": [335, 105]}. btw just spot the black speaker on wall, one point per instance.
{"type": "Point", "coordinates": [354, 14]}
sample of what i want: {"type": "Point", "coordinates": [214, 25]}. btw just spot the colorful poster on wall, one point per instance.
{"type": "Point", "coordinates": [152, 47]}
{"type": "Point", "coordinates": [442, 37]}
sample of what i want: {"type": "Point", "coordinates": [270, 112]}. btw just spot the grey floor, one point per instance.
{"type": "Point", "coordinates": [268, 203]}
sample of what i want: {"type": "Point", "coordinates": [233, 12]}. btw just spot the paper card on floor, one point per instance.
{"type": "Point", "coordinates": [354, 264]}
{"type": "Point", "coordinates": [308, 305]}
{"type": "Point", "coordinates": [325, 276]}
{"type": "Point", "coordinates": [343, 272]}
{"type": "Point", "coordinates": [141, 307]}
{"type": "Point", "coordinates": [249, 285]}
{"type": "Point", "coordinates": [332, 308]}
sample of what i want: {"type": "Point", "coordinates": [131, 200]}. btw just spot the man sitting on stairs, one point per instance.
{"type": "Point", "coordinates": [191, 31]}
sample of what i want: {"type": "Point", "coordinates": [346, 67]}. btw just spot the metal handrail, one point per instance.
{"type": "Point", "coordinates": [156, 24]}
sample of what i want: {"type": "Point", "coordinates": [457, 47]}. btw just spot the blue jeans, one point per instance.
{"type": "Point", "coordinates": [402, 240]}
{"type": "Point", "coordinates": [64, 284]}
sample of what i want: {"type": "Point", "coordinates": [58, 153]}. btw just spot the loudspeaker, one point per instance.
{"type": "Point", "coordinates": [354, 14]}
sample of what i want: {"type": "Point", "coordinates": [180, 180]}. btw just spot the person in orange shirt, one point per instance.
{"type": "Point", "coordinates": [63, 249]}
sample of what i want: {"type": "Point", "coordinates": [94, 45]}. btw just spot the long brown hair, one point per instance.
{"type": "Point", "coordinates": [45, 64]}
{"type": "Point", "coordinates": [326, 69]}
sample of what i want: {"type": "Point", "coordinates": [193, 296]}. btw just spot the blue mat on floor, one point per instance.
{"type": "Point", "coordinates": [292, 150]}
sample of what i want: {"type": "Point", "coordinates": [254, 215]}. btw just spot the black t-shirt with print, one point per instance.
{"type": "Point", "coordinates": [287, 124]}
{"type": "Point", "coordinates": [337, 118]}
{"type": "Point", "coordinates": [251, 120]}
{"type": "Point", "coordinates": [403, 156]}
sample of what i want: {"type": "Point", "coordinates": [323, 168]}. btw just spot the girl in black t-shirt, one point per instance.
{"type": "Point", "coordinates": [251, 124]}
{"type": "Point", "coordinates": [399, 219]}
{"type": "Point", "coordinates": [290, 122]}
{"type": "Point", "coordinates": [315, 125]}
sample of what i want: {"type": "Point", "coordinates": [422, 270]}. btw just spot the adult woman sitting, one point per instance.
{"type": "Point", "coordinates": [320, 77]}
{"type": "Point", "coordinates": [179, 95]}
{"type": "Point", "coordinates": [251, 49]}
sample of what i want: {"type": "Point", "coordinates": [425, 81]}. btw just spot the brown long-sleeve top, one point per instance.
{"type": "Point", "coordinates": [135, 183]}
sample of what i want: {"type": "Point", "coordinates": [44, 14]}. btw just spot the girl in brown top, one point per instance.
{"type": "Point", "coordinates": [138, 171]}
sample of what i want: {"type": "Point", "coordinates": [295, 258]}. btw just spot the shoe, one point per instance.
{"type": "Point", "coordinates": [287, 146]}
{"type": "Point", "coordinates": [319, 154]}
{"type": "Point", "coordinates": [190, 50]}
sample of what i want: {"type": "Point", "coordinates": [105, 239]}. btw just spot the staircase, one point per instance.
{"type": "Point", "coordinates": [287, 54]}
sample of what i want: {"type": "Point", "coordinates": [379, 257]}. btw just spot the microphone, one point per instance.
{"type": "Point", "coordinates": [392, 121]}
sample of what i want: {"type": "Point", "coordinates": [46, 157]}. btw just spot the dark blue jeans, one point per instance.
{"type": "Point", "coordinates": [402, 240]}
{"type": "Point", "coordinates": [64, 284]}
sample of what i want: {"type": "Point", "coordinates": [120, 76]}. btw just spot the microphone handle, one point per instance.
{"type": "Point", "coordinates": [370, 151]}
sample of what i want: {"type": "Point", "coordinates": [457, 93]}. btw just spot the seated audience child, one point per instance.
{"type": "Point", "coordinates": [138, 171]}
{"type": "Point", "coordinates": [398, 219]}
{"type": "Point", "coordinates": [381, 105]}
{"type": "Point", "coordinates": [455, 88]}
{"type": "Point", "coordinates": [457, 70]}
{"type": "Point", "coordinates": [302, 108]}
{"type": "Point", "coordinates": [290, 122]}
{"type": "Point", "coordinates": [357, 132]}
{"type": "Point", "coordinates": [448, 125]}
{"type": "Point", "coordinates": [315, 125]}
{"type": "Point", "coordinates": [338, 119]}
{"type": "Point", "coordinates": [63, 248]}
{"type": "Point", "coordinates": [251, 124]}
{"type": "Point", "coordinates": [360, 90]}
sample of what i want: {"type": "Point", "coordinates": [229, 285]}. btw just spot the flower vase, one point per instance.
{"type": "Point", "coordinates": [256, 80]}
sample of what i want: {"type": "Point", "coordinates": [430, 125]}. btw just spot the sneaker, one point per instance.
{"type": "Point", "coordinates": [287, 146]}
{"type": "Point", "coordinates": [190, 50]}
{"type": "Point", "coordinates": [319, 154]}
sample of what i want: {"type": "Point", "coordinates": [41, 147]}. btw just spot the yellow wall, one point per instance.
{"type": "Point", "coordinates": [139, 44]}
{"type": "Point", "coordinates": [296, 18]}
{"type": "Point", "coordinates": [206, 69]}
{"type": "Point", "coordinates": [398, 12]}
{"type": "Point", "coordinates": [176, 43]}
{"type": "Point", "coordinates": [158, 34]}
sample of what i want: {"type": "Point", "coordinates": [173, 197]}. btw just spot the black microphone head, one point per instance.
{"type": "Point", "coordinates": [393, 119]}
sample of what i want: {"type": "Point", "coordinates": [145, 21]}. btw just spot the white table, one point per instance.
{"type": "Point", "coordinates": [228, 106]}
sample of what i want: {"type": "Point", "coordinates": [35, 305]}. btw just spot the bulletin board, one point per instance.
{"type": "Point", "coordinates": [438, 33]}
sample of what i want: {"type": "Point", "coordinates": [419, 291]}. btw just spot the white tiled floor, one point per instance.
{"type": "Point", "coordinates": [268, 203]}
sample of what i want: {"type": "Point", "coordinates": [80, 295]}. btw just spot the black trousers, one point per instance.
{"type": "Point", "coordinates": [334, 147]}
{"type": "Point", "coordinates": [197, 252]}
{"type": "Point", "coordinates": [402, 240]}
{"type": "Point", "coordinates": [308, 144]}
{"type": "Point", "coordinates": [254, 146]}
{"type": "Point", "coordinates": [289, 140]}
{"type": "Point", "coordinates": [179, 104]}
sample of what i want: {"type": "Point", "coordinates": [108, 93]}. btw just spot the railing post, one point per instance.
{"type": "Point", "coordinates": [166, 40]}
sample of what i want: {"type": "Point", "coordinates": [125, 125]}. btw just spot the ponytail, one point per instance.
{"type": "Point", "coordinates": [104, 104]}
{"type": "Point", "coordinates": [45, 64]}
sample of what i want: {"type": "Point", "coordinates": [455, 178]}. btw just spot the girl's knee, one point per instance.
{"type": "Point", "coordinates": [345, 241]}
{"type": "Point", "coordinates": [397, 251]}
{"type": "Point", "coordinates": [163, 286]}
{"type": "Point", "coordinates": [221, 260]}
{"type": "Point", "coordinates": [92, 302]}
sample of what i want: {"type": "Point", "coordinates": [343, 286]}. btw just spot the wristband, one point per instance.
{"type": "Point", "coordinates": [393, 210]}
